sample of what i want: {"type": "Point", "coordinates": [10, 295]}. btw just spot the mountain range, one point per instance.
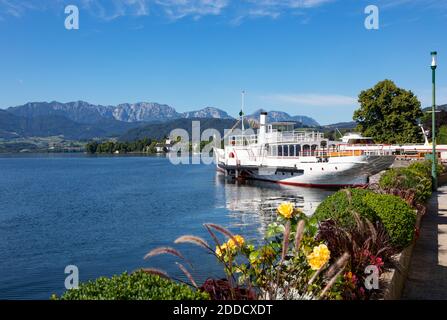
{"type": "Point", "coordinates": [278, 116]}
{"type": "Point", "coordinates": [84, 112]}
{"type": "Point", "coordinates": [81, 120]}
{"type": "Point", "coordinates": [441, 107]}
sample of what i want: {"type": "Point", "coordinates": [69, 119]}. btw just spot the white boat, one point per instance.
{"type": "Point", "coordinates": [280, 154]}
{"type": "Point", "coordinates": [356, 142]}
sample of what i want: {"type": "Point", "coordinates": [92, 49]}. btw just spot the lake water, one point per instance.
{"type": "Point", "coordinates": [103, 214]}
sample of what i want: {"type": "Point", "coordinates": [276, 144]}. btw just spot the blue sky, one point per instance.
{"type": "Point", "coordinates": [309, 57]}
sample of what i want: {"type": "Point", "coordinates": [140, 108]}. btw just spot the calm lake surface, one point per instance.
{"type": "Point", "coordinates": [103, 214]}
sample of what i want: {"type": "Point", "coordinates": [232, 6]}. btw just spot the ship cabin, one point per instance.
{"type": "Point", "coordinates": [281, 127]}
{"type": "Point", "coordinates": [354, 138]}
{"type": "Point", "coordinates": [282, 140]}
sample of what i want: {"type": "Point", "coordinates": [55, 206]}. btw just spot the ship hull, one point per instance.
{"type": "Point", "coordinates": [336, 173]}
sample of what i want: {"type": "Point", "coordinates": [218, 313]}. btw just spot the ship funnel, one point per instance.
{"type": "Point", "coordinates": [263, 118]}
{"type": "Point", "coordinates": [262, 127]}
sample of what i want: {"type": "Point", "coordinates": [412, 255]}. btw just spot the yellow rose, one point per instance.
{"type": "Point", "coordinates": [220, 250]}
{"type": "Point", "coordinates": [319, 257]}
{"type": "Point", "coordinates": [286, 210]}
{"type": "Point", "coordinates": [239, 242]}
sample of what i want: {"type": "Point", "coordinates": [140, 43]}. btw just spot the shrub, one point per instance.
{"type": "Point", "coordinates": [413, 178]}
{"type": "Point", "coordinates": [398, 218]}
{"type": "Point", "coordinates": [425, 168]}
{"type": "Point", "coordinates": [416, 178]}
{"type": "Point", "coordinates": [135, 286]}
{"type": "Point", "coordinates": [396, 215]}
{"type": "Point", "coordinates": [341, 205]}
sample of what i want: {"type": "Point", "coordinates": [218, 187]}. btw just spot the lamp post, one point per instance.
{"type": "Point", "coordinates": [434, 64]}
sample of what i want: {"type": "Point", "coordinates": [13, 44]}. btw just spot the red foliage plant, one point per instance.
{"type": "Point", "coordinates": [366, 243]}
{"type": "Point", "coordinates": [222, 290]}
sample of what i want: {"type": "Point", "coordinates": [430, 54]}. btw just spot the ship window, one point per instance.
{"type": "Point", "coordinates": [280, 151]}
{"type": "Point", "coordinates": [297, 150]}
{"type": "Point", "coordinates": [286, 151]}
{"type": "Point", "coordinates": [292, 150]}
{"type": "Point", "coordinates": [274, 151]}
{"type": "Point", "coordinates": [306, 149]}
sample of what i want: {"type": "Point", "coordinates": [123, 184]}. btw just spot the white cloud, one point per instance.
{"type": "Point", "coordinates": [177, 9]}
{"type": "Point", "coordinates": [173, 9]}
{"type": "Point", "coordinates": [109, 10]}
{"type": "Point", "coordinates": [17, 8]}
{"type": "Point", "coordinates": [235, 10]}
{"type": "Point", "coordinates": [310, 100]}
{"type": "Point", "coordinates": [275, 8]}
{"type": "Point", "coordinates": [427, 4]}
{"type": "Point", "coordinates": [260, 12]}
{"type": "Point", "coordinates": [289, 3]}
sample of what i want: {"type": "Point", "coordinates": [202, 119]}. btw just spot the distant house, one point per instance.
{"type": "Point", "coordinates": [164, 147]}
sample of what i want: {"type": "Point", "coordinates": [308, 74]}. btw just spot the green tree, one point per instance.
{"type": "Point", "coordinates": [442, 135]}
{"type": "Point", "coordinates": [123, 147]}
{"type": "Point", "coordinates": [389, 114]}
{"type": "Point", "coordinates": [91, 147]}
{"type": "Point", "coordinates": [441, 120]}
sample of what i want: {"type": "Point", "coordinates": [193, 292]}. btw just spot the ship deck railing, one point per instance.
{"type": "Point", "coordinates": [324, 154]}
{"type": "Point", "coordinates": [242, 140]}
{"type": "Point", "coordinates": [294, 137]}
{"type": "Point", "coordinates": [277, 137]}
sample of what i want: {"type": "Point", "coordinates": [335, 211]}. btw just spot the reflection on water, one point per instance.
{"type": "Point", "coordinates": [252, 203]}
{"type": "Point", "coordinates": [103, 214]}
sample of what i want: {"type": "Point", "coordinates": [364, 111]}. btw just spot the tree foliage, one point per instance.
{"type": "Point", "coordinates": [442, 135]}
{"type": "Point", "coordinates": [389, 114]}
{"type": "Point", "coordinates": [144, 145]}
{"type": "Point", "coordinates": [440, 123]}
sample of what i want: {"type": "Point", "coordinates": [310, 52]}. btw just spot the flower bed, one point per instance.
{"type": "Point", "coordinates": [324, 257]}
{"type": "Point", "coordinates": [416, 195]}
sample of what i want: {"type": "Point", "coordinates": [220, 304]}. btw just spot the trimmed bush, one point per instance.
{"type": "Point", "coordinates": [135, 286]}
{"type": "Point", "coordinates": [398, 218]}
{"type": "Point", "coordinates": [340, 206]}
{"type": "Point", "coordinates": [425, 167]}
{"type": "Point", "coordinates": [412, 178]}
{"type": "Point", "coordinates": [396, 215]}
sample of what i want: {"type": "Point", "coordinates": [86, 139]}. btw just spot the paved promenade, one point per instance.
{"type": "Point", "coordinates": [427, 278]}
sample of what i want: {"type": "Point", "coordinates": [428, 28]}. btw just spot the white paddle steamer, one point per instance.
{"type": "Point", "coordinates": [280, 154]}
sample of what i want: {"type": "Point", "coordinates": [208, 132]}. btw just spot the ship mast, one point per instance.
{"type": "Point", "coordinates": [242, 110]}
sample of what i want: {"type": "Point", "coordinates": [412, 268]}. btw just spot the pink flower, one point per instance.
{"type": "Point", "coordinates": [366, 253]}
{"type": "Point", "coordinates": [376, 261]}
{"type": "Point", "coordinates": [362, 291]}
